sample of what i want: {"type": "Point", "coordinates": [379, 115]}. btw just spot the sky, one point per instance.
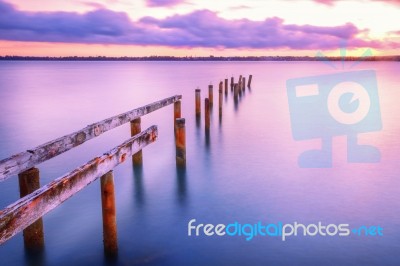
{"type": "Point", "coordinates": [198, 27]}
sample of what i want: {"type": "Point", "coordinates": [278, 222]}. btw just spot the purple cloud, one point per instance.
{"type": "Point", "coordinates": [156, 3]}
{"type": "Point", "coordinates": [198, 29]}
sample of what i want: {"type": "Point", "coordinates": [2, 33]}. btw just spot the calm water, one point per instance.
{"type": "Point", "coordinates": [246, 171]}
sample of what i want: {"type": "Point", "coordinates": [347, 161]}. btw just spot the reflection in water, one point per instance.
{"type": "Point", "coordinates": [111, 259]}
{"type": "Point", "coordinates": [181, 184]}
{"type": "Point", "coordinates": [236, 103]}
{"type": "Point", "coordinates": [372, 189]}
{"type": "Point", "coordinates": [35, 257]}
{"type": "Point", "coordinates": [139, 188]}
{"type": "Point", "coordinates": [207, 138]}
{"type": "Point", "coordinates": [198, 121]}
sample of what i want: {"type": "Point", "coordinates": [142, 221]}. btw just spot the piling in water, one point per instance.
{"type": "Point", "coordinates": [244, 84]}
{"type": "Point", "coordinates": [29, 181]}
{"type": "Point", "coordinates": [210, 94]}
{"type": "Point", "coordinates": [180, 142]}
{"type": "Point", "coordinates": [177, 112]}
{"type": "Point", "coordinates": [198, 102]}
{"type": "Point", "coordinates": [137, 158]}
{"type": "Point", "coordinates": [236, 91]}
{"type": "Point", "coordinates": [207, 113]}
{"type": "Point", "coordinates": [109, 214]}
{"type": "Point", "coordinates": [226, 86]}
{"type": "Point", "coordinates": [220, 100]}
{"type": "Point", "coordinates": [232, 83]}
{"type": "Point", "coordinates": [249, 82]}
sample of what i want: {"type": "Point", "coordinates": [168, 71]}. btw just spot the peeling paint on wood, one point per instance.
{"type": "Point", "coordinates": [28, 209]}
{"type": "Point", "coordinates": [28, 159]}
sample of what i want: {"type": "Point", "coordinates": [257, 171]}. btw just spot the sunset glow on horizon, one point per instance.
{"type": "Point", "coordinates": [198, 28]}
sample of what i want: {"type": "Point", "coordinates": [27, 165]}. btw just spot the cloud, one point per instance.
{"type": "Point", "coordinates": [92, 4]}
{"type": "Point", "coordinates": [241, 7]}
{"type": "Point", "coordinates": [158, 3]}
{"type": "Point", "coordinates": [332, 2]}
{"type": "Point", "coordinates": [197, 29]}
{"type": "Point", "coordinates": [325, 2]}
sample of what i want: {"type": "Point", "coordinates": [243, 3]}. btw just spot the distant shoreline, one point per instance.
{"type": "Point", "coordinates": [209, 58]}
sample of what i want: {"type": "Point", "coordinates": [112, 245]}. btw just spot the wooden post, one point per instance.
{"type": "Point", "coordinates": [180, 142]}
{"type": "Point", "coordinates": [207, 112]}
{"type": "Point", "coordinates": [198, 102]}
{"type": "Point", "coordinates": [29, 181]}
{"type": "Point", "coordinates": [244, 83]}
{"type": "Point", "coordinates": [236, 90]}
{"type": "Point", "coordinates": [240, 82]}
{"type": "Point", "coordinates": [110, 238]}
{"type": "Point", "coordinates": [220, 100]}
{"type": "Point", "coordinates": [232, 83]}
{"type": "Point", "coordinates": [177, 112]}
{"type": "Point", "coordinates": [249, 82]}
{"type": "Point", "coordinates": [210, 94]}
{"type": "Point", "coordinates": [137, 158]}
{"type": "Point", "coordinates": [226, 86]}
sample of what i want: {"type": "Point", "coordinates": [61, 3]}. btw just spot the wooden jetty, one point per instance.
{"type": "Point", "coordinates": [25, 214]}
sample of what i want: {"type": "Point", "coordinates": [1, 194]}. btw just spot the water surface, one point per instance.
{"type": "Point", "coordinates": [246, 170]}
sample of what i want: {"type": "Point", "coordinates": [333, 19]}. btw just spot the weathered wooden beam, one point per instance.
{"type": "Point", "coordinates": [30, 158]}
{"type": "Point", "coordinates": [28, 209]}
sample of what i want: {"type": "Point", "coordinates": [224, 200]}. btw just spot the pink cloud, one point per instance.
{"type": "Point", "coordinates": [332, 2]}
{"type": "Point", "coordinates": [157, 3]}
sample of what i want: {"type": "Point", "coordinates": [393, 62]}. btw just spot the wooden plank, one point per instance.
{"type": "Point", "coordinates": [28, 209]}
{"type": "Point", "coordinates": [30, 158]}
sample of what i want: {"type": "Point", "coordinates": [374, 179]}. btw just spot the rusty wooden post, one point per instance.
{"type": "Point", "coordinates": [110, 238]}
{"type": "Point", "coordinates": [236, 90]}
{"type": "Point", "coordinates": [226, 86]}
{"type": "Point", "coordinates": [137, 158]}
{"type": "Point", "coordinates": [244, 84]}
{"type": "Point", "coordinates": [207, 113]}
{"type": "Point", "coordinates": [232, 83]}
{"type": "Point", "coordinates": [29, 181]}
{"type": "Point", "coordinates": [220, 100]}
{"type": "Point", "coordinates": [198, 102]}
{"type": "Point", "coordinates": [177, 112]}
{"type": "Point", "coordinates": [210, 94]}
{"type": "Point", "coordinates": [249, 82]}
{"type": "Point", "coordinates": [180, 142]}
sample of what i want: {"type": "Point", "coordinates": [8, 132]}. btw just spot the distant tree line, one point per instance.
{"type": "Point", "coordinates": [193, 58]}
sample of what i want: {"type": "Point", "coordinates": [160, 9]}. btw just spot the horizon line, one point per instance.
{"type": "Point", "coordinates": [198, 58]}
